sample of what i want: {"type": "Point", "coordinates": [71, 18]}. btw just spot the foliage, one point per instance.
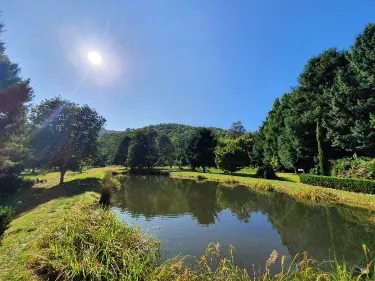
{"type": "Point", "coordinates": [108, 148]}
{"type": "Point", "coordinates": [6, 216]}
{"type": "Point", "coordinates": [109, 184]}
{"type": "Point", "coordinates": [231, 155]}
{"type": "Point", "coordinates": [165, 150]}
{"type": "Point", "coordinates": [236, 130]}
{"type": "Point", "coordinates": [201, 149]}
{"type": "Point", "coordinates": [266, 172]}
{"type": "Point", "coordinates": [322, 157]}
{"type": "Point", "coordinates": [65, 134]}
{"type": "Point", "coordinates": [11, 182]}
{"type": "Point", "coordinates": [94, 245]}
{"type": "Point", "coordinates": [354, 185]}
{"type": "Point", "coordinates": [122, 151]}
{"type": "Point", "coordinates": [359, 167]}
{"type": "Point", "coordinates": [15, 94]}
{"type": "Point", "coordinates": [142, 152]}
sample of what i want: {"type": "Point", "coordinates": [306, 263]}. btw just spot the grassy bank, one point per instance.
{"type": "Point", "coordinates": [287, 183]}
{"type": "Point", "coordinates": [39, 210]}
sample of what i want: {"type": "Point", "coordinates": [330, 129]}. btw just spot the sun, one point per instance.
{"type": "Point", "coordinates": [94, 57]}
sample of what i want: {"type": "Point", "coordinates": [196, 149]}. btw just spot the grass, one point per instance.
{"type": "Point", "coordinates": [57, 233]}
{"type": "Point", "coordinates": [41, 209]}
{"type": "Point", "coordinates": [94, 245]}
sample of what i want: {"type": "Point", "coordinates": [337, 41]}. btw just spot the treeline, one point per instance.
{"type": "Point", "coordinates": [329, 115]}
{"type": "Point", "coordinates": [176, 144]}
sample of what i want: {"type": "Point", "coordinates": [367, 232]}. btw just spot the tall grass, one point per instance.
{"type": "Point", "coordinates": [109, 184]}
{"type": "Point", "coordinates": [94, 245]}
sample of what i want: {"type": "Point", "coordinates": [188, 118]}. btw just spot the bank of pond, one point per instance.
{"type": "Point", "coordinates": [158, 228]}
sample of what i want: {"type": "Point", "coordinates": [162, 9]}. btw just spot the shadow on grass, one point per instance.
{"type": "Point", "coordinates": [27, 199]}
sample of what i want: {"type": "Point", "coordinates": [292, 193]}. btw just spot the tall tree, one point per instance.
{"type": "Point", "coordinates": [352, 121]}
{"type": "Point", "coordinates": [15, 94]}
{"type": "Point", "coordinates": [232, 155]}
{"type": "Point", "coordinates": [65, 134]}
{"type": "Point", "coordinates": [236, 130]}
{"type": "Point", "coordinates": [201, 149]}
{"type": "Point", "coordinates": [165, 150]}
{"type": "Point", "coordinates": [122, 152]}
{"type": "Point", "coordinates": [142, 150]}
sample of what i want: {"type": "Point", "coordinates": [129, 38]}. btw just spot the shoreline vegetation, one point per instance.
{"type": "Point", "coordinates": [30, 249]}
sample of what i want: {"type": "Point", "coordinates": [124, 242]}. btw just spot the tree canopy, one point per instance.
{"type": "Point", "coordinates": [65, 134]}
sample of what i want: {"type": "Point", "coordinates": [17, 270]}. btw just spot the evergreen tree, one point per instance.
{"type": "Point", "coordinates": [201, 149]}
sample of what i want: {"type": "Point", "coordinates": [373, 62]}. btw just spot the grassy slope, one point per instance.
{"type": "Point", "coordinates": [41, 209]}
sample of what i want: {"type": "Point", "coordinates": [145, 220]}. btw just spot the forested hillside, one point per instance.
{"type": "Point", "coordinates": [109, 141]}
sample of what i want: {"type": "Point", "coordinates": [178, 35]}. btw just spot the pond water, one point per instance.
{"type": "Point", "coordinates": [187, 215]}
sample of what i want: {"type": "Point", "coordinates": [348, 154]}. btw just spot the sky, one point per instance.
{"type": "Point", "coordinates": [202, 63]}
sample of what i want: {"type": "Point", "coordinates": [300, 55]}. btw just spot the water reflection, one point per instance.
{"type": "Point", "coordinates": [254, 223]}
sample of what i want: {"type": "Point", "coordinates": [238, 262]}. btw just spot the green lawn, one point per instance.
{"type": "Point", "coordinates": [41, 209]}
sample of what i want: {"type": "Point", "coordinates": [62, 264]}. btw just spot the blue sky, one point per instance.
{"type": "Point", "coordinates": [204, 63]}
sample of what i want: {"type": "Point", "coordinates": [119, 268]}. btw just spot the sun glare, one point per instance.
{"type": "Point", "coordinates": [94, 57]}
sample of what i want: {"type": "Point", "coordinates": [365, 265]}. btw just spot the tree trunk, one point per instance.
{"type": "Point", "coordinates": [33, 171]}
{"type": "Point", "coordinates": [62, 174]}
{"type": "Point", "coordinates": [204, 168]}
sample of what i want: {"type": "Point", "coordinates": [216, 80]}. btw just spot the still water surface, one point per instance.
{"type": "Point", "coordinates": [188, 215]}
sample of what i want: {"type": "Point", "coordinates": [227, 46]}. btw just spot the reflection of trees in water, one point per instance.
{"type": "Point", "coordinates": [160, 196]}
{"type": "Point", "coordinates": [301, 227]}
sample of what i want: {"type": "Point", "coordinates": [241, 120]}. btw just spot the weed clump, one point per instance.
{"type": "Point", "coordinates": [109, 184]}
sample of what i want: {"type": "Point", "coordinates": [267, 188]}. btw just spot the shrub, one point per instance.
{"type": "Point", "coordinates": [95, 245]}
{"type": "Point", "coordinates": [354, 168]}
{"type": "Point", "coordinates": [355, 185]}
{"type": "Point", "coordinates": [11, 182]}
{"type": "Point", "coordinates": [6, 216]}
{"type": "Point", "coordinates": [266, 172]}
{"type": "Point", "coordinates": [109, 184]}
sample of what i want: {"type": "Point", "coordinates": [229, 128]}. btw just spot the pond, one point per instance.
{"type": "Point", "coordinates": [187, 215]}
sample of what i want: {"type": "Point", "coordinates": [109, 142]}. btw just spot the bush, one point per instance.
{"type": "Point", "coordinates": [11, 182]}
{"type": "Point", "coordinates": [95, 245]}
{"type": "Point", "coordinates": [363, 168]}
{"type": "Point", "coordinates": [6, 216]}
{"type": "Point", "coordinates": [266, 172]}
{"type": "Point", "coordinates": [109, 184]}
{"type": "Point", "coordinates": [354, 185]}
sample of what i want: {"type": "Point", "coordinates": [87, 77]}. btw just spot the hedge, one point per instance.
{"type": "Point", "coordinates": [354, 185]}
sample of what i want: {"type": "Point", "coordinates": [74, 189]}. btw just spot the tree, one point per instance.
{"type": "Point", "coordinates": [351, 125]}
{"type": "Point", "coordinates": [201, 149]}
{"type": "Point", "coordinates": [15, 94]}
{"type": "Point", "coordinates": [122, 152]}
{"type": "Point", "coordinates": [65, 134]}
{"type": "Point", "coordinates": [142, 150]}
{"type": "Point", "coordinates": [165, 150]}
{"type": "Point", "coordinates": [236, 130]}
{"type": "Point", "coordinates": [231, 155]}
{"type": "Point", "coordinates": [322, 158]}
